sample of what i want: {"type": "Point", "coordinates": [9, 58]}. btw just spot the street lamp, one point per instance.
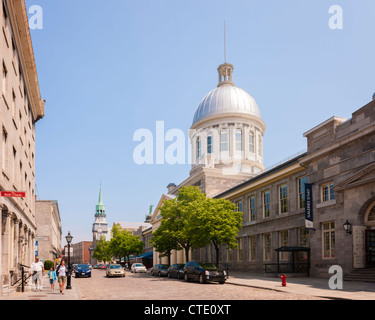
{"type": "Point", "coordinates": [69, 239]}
{"type": "Point", "coordinates": [348, 227]}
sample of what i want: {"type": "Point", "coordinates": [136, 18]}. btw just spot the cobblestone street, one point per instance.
{"type": "Point", "coordinates": [146, 287]}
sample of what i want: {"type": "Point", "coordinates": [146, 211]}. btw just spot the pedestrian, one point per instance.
{"type": "Point", "coordinates": [52, 278]}
{"type": "Point", "coordinates": [37, 270]}
{"type": "Point", "coordinates": [62, 273]}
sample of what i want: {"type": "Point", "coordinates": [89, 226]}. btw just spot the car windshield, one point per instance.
{"type": "Point", "coordinates": [181, 266]}
{"type": "Point", "coordinates": [139, 265]}
{"type": "Point", "coordinates": [207, 266]}
{"type": "Point", "coordinates": [82, 266]}
{"type": "Point", "coordinates": [115, 266]}
{"type": "Point", "coordinates": [163, 266]}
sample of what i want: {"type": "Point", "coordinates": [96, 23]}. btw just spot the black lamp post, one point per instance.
{"type": "Point", "coordinates": [348, 227]}
{"type": "Point", "coordinates": [69, 239]}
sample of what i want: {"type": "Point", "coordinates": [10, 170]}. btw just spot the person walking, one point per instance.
{"type": "Point", "coordinates": [37, 270]}
{"type": "Point", "coordinates": [62, 273]}
{"type": "Point", "coordinates": [52, 278]}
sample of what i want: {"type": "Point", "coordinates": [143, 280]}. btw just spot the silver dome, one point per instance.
{"type": "Point", "coordinates": [224, 99]}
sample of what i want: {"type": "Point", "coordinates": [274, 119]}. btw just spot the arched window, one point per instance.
{"type": "Point", "coordinates": [370, 215]}
{"type": "Point", "coordinates": [209, 143]}
{"type": "Point", "coordinates": [251, 142]}
{"type": "Point", "coordinates": [238, 140]}
{"type": "Point", "coordinates": [224, 140]}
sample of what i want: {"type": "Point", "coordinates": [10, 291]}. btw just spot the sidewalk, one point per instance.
{"type": "Point", "coordinates": [316, 287]}
{"type": "Point", "coordinates": [46, 294]}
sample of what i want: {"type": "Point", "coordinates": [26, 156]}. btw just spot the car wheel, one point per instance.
{"type": "Point", "coordinates": [186, 278]}
{"type": "Point", "coordinates": [221, 282]}
{"type": "Point", "coordinates": [201, 279]}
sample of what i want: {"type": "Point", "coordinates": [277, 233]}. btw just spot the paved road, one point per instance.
{"type": "Point", "coordinates": [146, 287]}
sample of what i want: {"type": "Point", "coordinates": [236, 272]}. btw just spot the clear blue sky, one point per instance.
{"type": "Point", "coordinates": [109, 68]}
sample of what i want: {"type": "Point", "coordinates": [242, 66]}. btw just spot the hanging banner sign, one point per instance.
{"type": "Point", "coordinates": [13, 194]}
{"type": "Point", "coordinates": [309, 217]}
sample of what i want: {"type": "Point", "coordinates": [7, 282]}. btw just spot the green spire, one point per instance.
{"type": "Point", "coordinates": [100, 207]}
{"type": "Point", "coordinates": [100, 203]}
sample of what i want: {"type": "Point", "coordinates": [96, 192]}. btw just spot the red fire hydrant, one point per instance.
{"type": "Point", "coordinates": [283, 280]}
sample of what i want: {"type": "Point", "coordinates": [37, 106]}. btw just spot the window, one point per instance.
{"type": "Point", "coordinates": [327, 192]}
{"type": "Point", "coordinates": [251, 143]}
{"type": "Point", "coordinates": [240, 249]}
{"type": "Point", "coordinates": [267, 246]}
{"type": "Point", "coordinates": [251, 208]}
{"type": "Point", "coordinates": [284, 241]}
{"type": "Point", "coordinates": [301, 192]}
{"type": "Point", "coordinates": [4, 149]}
{"type": "Point", "coordinates": [224, 141]}
{"type": "Point", "coordinates": [252, 246]}
{"type": "Point", "coordinates": [266, 204]}
{"type": "Point", "coordinates": [283, 198]}
{"type": "Point", "coordinates": [199, 149]}
{"type": "Point", "coordinates": [4, 81]}
{"type": "Point", "coordinates": [328, 240]}
{"type": "Point", "coordinates": [238, 140]}
{"type": "Point", "coordinates": [209, 143]}
{"type": "Point", "coordinates": [303, 241]}
{"type": "Point", "coordinates": [239, 206]}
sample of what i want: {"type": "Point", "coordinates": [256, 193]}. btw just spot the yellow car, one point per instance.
{"type": "Point", "coordinates": [115, 270]}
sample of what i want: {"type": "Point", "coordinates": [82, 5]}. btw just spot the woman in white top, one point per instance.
{"type": "Point", "coordinates": [62, 272]}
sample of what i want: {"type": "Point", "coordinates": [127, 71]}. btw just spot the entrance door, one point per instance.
{"type": "Point", "coordinates": [370, 248]}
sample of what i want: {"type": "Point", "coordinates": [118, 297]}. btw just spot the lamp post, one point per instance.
{"type": "Point", "coordinates": [69, 239]}
{"type": "Point", "coordinates": [348, 227]}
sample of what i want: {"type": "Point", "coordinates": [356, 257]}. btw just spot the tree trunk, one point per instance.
{"type": "Point", "coordinates": [217, 250]}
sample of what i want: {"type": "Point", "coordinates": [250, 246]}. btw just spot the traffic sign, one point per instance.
{"type": "Point", "coordinates": [13, 194]}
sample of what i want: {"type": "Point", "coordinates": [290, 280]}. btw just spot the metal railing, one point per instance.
{"type": "Point", "coordinates": [24, 277]}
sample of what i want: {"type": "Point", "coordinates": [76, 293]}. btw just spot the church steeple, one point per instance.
{"type": "Point", "coordinates": [100, 207]}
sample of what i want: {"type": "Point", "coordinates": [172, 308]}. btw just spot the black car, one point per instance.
{"type": "Point", "coordinates": [82, 270]}
{"type": "Point", "coordinates": [160, 270]}
{"type": "Point", "coordinates": [176, 271]}
{"type": "Point", "coordinates": [203, 272]}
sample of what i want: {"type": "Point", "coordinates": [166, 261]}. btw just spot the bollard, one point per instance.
{"type": "Point", "coordinates": [283, 280]}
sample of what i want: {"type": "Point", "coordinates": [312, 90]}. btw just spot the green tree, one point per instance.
{"type": "Point", "coordinates": [164, 242]}
{"type": "Point", "coordinates": [102, 250]}
{"type": "Point", "coordinates": [124, 244]}
{"type": "Point", "coordinates": [215, 221]}
{"type": "Point", "coordinates": [177, 213]}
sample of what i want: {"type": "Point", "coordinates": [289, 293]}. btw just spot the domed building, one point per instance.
{"type": "Point", "coordinates": [226, 137]}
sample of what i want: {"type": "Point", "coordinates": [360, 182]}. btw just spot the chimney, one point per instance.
{"type": "Point", "coordinates": [170, 187]}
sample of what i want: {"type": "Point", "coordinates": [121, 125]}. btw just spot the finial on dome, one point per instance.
{"type": "Point", "coordinates": [225, 74]}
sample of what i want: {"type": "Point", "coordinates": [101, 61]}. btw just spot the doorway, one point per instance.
{"type": "Point", "coordinates": [370, 248]}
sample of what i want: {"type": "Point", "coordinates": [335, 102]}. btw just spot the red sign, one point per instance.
{"type": "Point", "coordinates": [13, 194]}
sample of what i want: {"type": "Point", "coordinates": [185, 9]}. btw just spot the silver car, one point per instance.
{"type": "Point", "coordinates": [138, 267]}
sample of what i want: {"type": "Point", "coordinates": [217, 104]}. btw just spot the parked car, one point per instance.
{"type": "Point", "coordinates": [160, 270]}
{"type": "Point", "coordinates": [176, 271]}
{"type": "Point", "coordinates": [82, 270]}
{"type": "Point", "coordinates": [203, 272]}
{"type": "Point", "coordinates": [138, 267]}
{"type": "Point", "coordinates": [115, 270]}
{"type": "Point", "coordinates": [96, 266]}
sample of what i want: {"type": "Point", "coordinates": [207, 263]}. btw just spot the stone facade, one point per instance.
{"type": "Point", "coordinates": [49, 231]}
{"type": "Point", "coordinates": [21, 107]}
{"type": "Point", "coordinates": [340, 165]}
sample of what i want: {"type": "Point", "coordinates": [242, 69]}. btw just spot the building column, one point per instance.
{"type": "Point", "coordinates": [6, 247]}
{"type": "Point", "coordinates": [16, 244]}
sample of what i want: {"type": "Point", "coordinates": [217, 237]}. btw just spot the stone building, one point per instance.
{"type": "Point", "coordinates": [81, 252]}
{"type": "Point", "coordinates": [49, 230]}
{"type": "Point", "coordinates": [340, 165]}
{"type": "Point", "coordinates": [21, 106]}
